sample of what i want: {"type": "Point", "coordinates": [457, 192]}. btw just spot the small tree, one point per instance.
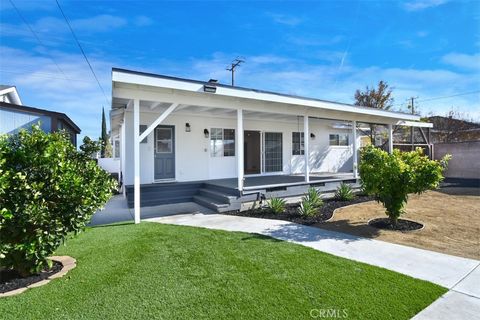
{"type": "Point", "coordinates": [391, 177]}
{"type": "Point", "coordinates": [379, 98]}
{"type": "Point", "coordinates": [48, 189]}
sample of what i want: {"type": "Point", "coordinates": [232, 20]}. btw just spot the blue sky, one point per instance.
{"type": "Point", "coordinates": [325, 49]}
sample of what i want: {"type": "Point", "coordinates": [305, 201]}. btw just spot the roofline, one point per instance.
{"type": "Point", "coordinates": [41, 111]}
{"type": "Point", "coordinates": [394, 114]}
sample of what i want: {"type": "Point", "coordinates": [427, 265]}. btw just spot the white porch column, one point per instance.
{"type": "Point", "coordinates": [239, 149]}
{"type": "Point", "coordinates": [390, 138]}
{"type": "Point", "coordinates": [306, 140]}
{"type": "Point", "coordinates": [355, 148]}
{"type": "Point", "coordinates": [136, 158]}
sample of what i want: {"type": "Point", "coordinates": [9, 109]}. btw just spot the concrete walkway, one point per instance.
{"type": "Point", "coordinates": [460, 275]}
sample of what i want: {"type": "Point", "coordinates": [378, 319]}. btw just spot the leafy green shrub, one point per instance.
{"type": "Point", "coordinates": [307, 208]}
{"type": "Point", "coordinates": [344, 192]}
{"type": "Point", "coordinates": [47, 190]}
{"type": "Point", "coordinates": [310, 203]}
{"type": "Point", "coordinates": [276, 205]}
{"type": "Point", "coordinates": [391, 177]}
{"type": "Point", "coordinates": [313, 196]}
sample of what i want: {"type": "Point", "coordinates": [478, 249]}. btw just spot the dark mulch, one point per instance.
{"type": "Point", "coordinates": [11, 280]}
{"type": "Point", "coordinates": [402, 224]}
{"type": "Point", "coordinates": [291, 213]}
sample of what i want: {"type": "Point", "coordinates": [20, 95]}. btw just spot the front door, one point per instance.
{"type": "Point", "coordinates": [251, 152]}
{"type": "Point", "coordinates": [164, 152]}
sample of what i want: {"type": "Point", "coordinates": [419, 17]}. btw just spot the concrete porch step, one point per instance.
{"type": "Point", "coordinates": [211, 203]}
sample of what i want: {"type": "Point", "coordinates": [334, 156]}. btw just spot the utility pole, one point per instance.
{"type": "Point", "coordinates": [235, 63]}
{"type": "Point", "coordinates": [412, 132]}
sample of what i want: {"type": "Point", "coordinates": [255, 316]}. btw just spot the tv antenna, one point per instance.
{"type": "Point", "coordinates": [235, 63]}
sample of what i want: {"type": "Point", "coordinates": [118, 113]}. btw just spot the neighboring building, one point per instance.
{"type": "Point", "coordinates": [186, 140]}
{"type": "Point", "coordinates": [14, 117]}
{"type": "Point", "coordinates": [9, 94]}
{"type": "Point", "coordinates": [450, 130]}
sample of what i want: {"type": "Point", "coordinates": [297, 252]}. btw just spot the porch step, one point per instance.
{"type": "Point", "coordinates": [216, 195]}
{"type": "Point", "coordinates": [211, 203]}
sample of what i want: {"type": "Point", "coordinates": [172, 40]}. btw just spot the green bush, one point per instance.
{"type": "Point", "coordinates": [391, 177]}
{"type": "Point", "coordinates": [47, 190]}
{"type": "Point", "coordinates": [310, 203]}
{"type": "Point", "coordinates": [344, 192]}
{"type": "Point", "coordinates": [276, 205]}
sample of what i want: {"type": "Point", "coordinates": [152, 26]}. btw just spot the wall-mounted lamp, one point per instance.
{"type": "Point", "coordinates": [206, 133]}
{"type": "Point", "coordinates": [187, 127]}
{"type": "Point", "coordinates": [312, 135]}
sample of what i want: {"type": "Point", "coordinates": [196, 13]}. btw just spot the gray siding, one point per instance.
{"type": "Point", "coordinates": [12, 121]}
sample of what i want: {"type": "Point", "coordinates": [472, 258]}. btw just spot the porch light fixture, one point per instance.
{"type": "Point", "coordinates": [206, 133]}
{"type": "Point", "coordinates": [312, 135]}
{"type": "Point", "coordinates": [187, 127]}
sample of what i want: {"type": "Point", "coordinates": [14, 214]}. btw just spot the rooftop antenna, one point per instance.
{"type": "Point", "coordinates": [235, 63]}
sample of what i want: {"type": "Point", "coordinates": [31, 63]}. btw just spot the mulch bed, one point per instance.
{"type": "Point", "coordinates": [11, 280]}
{"type": "Point", "coordinates": [291, 213]}
{"type": "Point", "coordinates": [402, 224]}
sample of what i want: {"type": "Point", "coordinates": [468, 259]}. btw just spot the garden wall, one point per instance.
{"type": "Point", "coordinates": [465, 161]}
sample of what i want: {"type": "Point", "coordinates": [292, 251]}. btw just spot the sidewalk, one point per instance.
{"type": "Point", "coordinates": [460, 275]}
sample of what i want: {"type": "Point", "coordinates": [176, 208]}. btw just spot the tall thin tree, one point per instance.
{"type": "Point", "coordinates": [104, 136]}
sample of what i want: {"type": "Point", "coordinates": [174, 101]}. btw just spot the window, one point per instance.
{"type": "Point", "coordinates": [298, 141]}
{"type": "Point", "coordinates": [164, 140]}
{"type": "Point", "coordinates": [273, 152]}
{"type": "Point", "coordinates": [339, 139]}
{"type": "Point", "coordinates": [222, 142]}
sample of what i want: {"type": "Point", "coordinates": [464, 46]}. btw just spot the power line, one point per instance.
{"type": "Point", "coordinates": [441, 97]}
{"type": "Point", "coordinates": [36, 36]}
{"type": "Point", "coordinates": [83, 52]}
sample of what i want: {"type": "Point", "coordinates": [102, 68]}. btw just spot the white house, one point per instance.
{"type": "Point", "coordinates": [182, 140]}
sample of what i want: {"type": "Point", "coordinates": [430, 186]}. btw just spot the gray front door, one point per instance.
{"type": "Point", "coordinates": [164, 152]}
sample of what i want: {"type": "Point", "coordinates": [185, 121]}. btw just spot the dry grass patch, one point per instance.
{"type": "Point", "coordinates": [451, 217]}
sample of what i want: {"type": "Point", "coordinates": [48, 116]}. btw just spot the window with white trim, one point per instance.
{"type": "Point", "coordinates": [298, 143]}
{"type": "Point", "coordinates": [222, 142]}
{"type": "Point", "coordinates": [116, 148]}
{"type": "Point", "coordinates": [339, 139]}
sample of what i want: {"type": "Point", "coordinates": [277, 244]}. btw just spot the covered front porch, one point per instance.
{"type": "Point", "coordinates": [222, 195]}
{"type": "Point", "coordinates": [218, 144]}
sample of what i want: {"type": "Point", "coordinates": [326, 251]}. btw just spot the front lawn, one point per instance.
{"type": "Point", "coordinates": [150, 270]}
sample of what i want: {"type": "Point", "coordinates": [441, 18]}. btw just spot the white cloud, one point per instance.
{"type": "Point", "coordinates": [143, 21]}
{"type": "Point", "coordinates": [460, 60]}
{"type": "Point", "coordinates": [285, 19]}
{"type": "Point", "coordinates": [418, 5]}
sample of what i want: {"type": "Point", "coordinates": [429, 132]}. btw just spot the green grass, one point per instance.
{"type": "Point", "coordinates": [150, 270]}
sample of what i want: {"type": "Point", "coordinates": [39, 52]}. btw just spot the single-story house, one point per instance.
{"type": "Point", "coordinates": [14, 117]}
{"type": "Point", "coordinates": [182, 140]}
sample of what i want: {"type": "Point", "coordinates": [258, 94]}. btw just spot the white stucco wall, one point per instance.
{"type": "Point", "coordinates": [193, 160]}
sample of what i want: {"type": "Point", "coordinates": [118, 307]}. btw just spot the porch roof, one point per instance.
{"type": "Point", "coordinates": [126, 82]}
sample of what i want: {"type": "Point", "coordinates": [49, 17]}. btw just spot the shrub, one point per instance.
{"type": "Point", "coordinates": [344, 192]}
{"type": "Point", "coordinates": [313, 196]}
{"type": "Point", "coordinates": [391, 177]}
{"type": "Point", "coordinates": [307, 208]}
{"type": "Point", "coordinates": [310, 203]}
{"type": "Point", "coordinates": [276, 205]}
{"type": "Point", "coordinates": [47, 190]}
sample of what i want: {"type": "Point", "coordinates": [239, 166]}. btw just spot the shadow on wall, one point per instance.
{"type": "Point", "coordinates": [330, 159]}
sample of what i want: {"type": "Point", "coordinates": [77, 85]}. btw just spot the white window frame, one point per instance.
{"type": "Point", "coordinates": [223, 143]}
{"type": "Point", "coordinates": [338, 140]}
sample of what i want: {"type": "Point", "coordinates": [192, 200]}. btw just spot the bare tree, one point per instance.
{"type": "Point", "coordinates": [378, 98]}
